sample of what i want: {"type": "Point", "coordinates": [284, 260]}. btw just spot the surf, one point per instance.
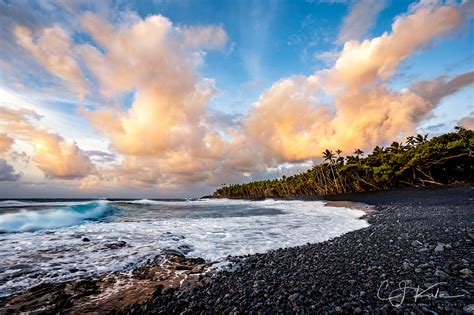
{"type": "Point", "coordinates": [52, 218]}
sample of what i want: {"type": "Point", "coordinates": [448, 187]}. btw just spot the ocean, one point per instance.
{"type": "Point", "coordinates": [44, 241]}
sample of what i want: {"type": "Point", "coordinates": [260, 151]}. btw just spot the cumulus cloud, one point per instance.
{"type": "Point", "coordinates": [7, 173]}
{"type": "Point", "coordinates": [54, 155]}
{"type": "Point", "coordinates": [361, 17]}
{"type": "Point", "coordinates": [52, 48]}
{"type": "Point", "coordinates": [467, 122]}
{"type": "Point", "coordinates": [168, 138]}
{"type": "Point", "coordinates": [5, 143]}
{"type": "Point", "coordinates": [291, 122]}
{"type": "Point", "coordinates": [436, 89]}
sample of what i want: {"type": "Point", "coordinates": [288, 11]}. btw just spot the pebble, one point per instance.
{"type": "Point", "coordinates": [441, 274]}
{"type": "Point", "coordinates": [469, 308]}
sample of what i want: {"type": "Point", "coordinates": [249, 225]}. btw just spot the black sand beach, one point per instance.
{"type": "Point", "coordinates": [421, 236]}
{"type": "Point", "coordinates": [418, 247]}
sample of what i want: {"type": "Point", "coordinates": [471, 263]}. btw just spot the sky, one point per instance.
{"type": "Point", "coordinates": [173, 98]}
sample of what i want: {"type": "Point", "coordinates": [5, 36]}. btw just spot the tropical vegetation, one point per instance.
{"type": "Point", "coordinates": [444, 159]}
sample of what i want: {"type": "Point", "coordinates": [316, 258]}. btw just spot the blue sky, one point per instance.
{"type": "Point", "coordinates": [235, 90]}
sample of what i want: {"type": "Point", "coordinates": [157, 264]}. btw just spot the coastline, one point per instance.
{"type": "Point", "coordinates": [423, 236]}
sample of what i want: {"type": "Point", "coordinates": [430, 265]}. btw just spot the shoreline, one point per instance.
{"type": "Point", "coordinates": [340, 275]}
{"type": "Point", "coordinates": [421, 235]}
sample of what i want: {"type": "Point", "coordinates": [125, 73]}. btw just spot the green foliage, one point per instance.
{"type": "Point", "coordinates": [445, 159]}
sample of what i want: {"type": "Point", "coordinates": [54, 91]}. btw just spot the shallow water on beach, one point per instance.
{"type": "Point", "coordinates": [63, 240]}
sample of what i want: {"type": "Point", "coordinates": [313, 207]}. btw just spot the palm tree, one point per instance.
{"type": "Point", "coordinates": [328, 156]}
{"type": "Point", "coordinates": [411, 141]}
{"type": "Point", "coordinates": [395, 147]}
{"type": "Point", "coordinates": [358, 153]}
{"type": "Point", "coordinates": [420, 139]}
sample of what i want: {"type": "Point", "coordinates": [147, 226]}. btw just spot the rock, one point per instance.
{"type": "Point", "coordinates": [465, 272]}
{"type": "Point", "coordinates": [405, 265]}
{"type": "Point", "coordinates": [417, 270]}
{"type": "Point", "coordinates": [469, 308]}
{"type": "Point", "coordinates": [85, 239]}
{"type": "Point", "coordinates": [416, 243]}
{"type": "Point", "coordinates": [439, 248]}
{"type": "Point", "coordinates": [441, 274]}
{"type": "Point", "coordinates": [116, 245]}
{"type": "Point", "coordinates": [185, 248]}
{"type": "Point", "coordinates": [292, 298]}
{"type": "Point", "coordinates": [172, 252]}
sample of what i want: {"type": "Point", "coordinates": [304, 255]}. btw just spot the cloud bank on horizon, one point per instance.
{"type": "Point", "coordinates": [147, 122]}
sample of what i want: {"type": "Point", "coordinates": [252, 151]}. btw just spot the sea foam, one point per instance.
{"type": "Point", "coordinates": [211, 229]}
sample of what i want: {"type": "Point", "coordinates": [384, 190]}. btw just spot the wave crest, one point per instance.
{"type": "Point", "coordinates": [31, 220]}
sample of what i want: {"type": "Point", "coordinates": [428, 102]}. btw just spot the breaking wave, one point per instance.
{"type": "Point", "coordinates": [32, 220]}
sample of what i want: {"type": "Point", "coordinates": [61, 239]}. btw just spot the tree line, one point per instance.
{"type": "Point", "coordinates": [444, 159]}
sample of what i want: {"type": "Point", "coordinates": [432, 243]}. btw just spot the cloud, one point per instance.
{"type": "Point", "coordinates": [351, 105]}
{"type": "Point", "coordinates": [206, 37]}
{"type": "Point", "coordinates": [168, 138]}
{"type": "Point", "coordinates": [467, 122]}
{"type": "Point", "coordinates": [327, 57]}
{"type": "Point", "coordinates": [7, 173]}
{"type": "Point", "coordinates": [5, 143]}
{"type": "Point", "coordinates": [101, 155]}
{"type": "Point", "coordinates": [436, 89]}
{"type": "Point", "coordinates": [361, 17]}
{"type": "Point", "coordinates": [54, 155]}
{"type": "Point", "coordinates": [52, 49]}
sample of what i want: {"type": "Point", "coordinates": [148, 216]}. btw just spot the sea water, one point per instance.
{"type": "Point", "coordinates": [53, 241]}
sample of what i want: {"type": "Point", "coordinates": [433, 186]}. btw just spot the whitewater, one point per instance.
{"type": "Point", "coordinates": [57, 241]}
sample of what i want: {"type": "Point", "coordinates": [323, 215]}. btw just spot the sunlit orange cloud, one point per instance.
{"type": "Point", "coordinates": [293, 124]}
{"type": "Point", "coordinates": [55, 156]}
{"type": "Point", "coordinates": [5, 144]}
{"type": "Point", "coordinates": [52, 48]}
{"type": "Point", "coordinates": [168, 137]}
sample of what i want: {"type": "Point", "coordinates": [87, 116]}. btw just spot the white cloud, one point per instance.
{"type": "Point", "coordinates": [360, 19]}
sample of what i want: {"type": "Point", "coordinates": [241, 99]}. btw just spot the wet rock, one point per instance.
{"type": "Point", "coordinates": [85, 239]}
{"type": "Point", "coordinates": [116, 245]}
{"type": "Point", "coordinates": [172, 252]}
